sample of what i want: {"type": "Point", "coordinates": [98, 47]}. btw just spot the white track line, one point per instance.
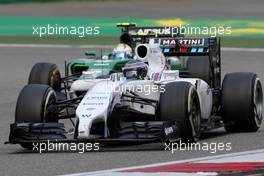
{"type": "Point", "coordinates": [104, 46]}
{"type": "Point", "coordinates": [261, 151]}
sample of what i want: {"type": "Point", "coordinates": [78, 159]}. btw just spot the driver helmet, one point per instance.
{"type": "Point", "coordinates": [122, 51]}
{"type": "Point", "coordinates": [135, 69]}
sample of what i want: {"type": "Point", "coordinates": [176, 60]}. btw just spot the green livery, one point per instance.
{"type": "Point", "coordinates": [102, 68]}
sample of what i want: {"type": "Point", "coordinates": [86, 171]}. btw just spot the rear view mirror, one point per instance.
{"type": "Point", "coordinates": [90, 53]}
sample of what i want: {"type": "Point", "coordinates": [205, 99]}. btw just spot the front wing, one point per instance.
{"type": "Point", "coordinates": [130, 133]}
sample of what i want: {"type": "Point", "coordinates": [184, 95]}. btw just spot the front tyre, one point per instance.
{"type": "Point", "coordinates": [33, 102]}
{"type": "Point", "coordinates": [180, 103]}
{"type": "Point", "coordinates": [242, 102]}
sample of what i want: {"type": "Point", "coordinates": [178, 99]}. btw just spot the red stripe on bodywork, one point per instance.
{"type": "Point", "coordinates": [156, 76]}
{"type": "Point", "coordinates": [206, 167]}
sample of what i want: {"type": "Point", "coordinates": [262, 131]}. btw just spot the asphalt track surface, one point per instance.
{"type": "Point", "coordinates": [141, 8]}
{"type": "Point", "coordinates": [15, 64]}
{"type": "Point", "coordinates": [14, 69]}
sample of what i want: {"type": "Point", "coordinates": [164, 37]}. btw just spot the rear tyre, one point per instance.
{"type": "Point", "coordinates": [33, 102]}
{"type": "Point", "coordinates": [242, 102]}
{"type": "Point", "coordinates": [45, 73]}
{"type": "Point", "coordinates": [180, 102]}
{"type": "Point", "coordinates": [199, 67]}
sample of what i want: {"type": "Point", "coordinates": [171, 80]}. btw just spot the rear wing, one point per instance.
{"type": "Point", "coordinates": [208, 47]}
{"type": "Point", "coordinates": [132, 29]}
{"type": "Point", "coordinates": [133, 35]}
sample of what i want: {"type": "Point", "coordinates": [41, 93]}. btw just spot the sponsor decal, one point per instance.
{"type": "Point", "coordinates": [166, 50]}
{"type": "Point", "coordinates": [168, 42]}
{"type": "Point", "coordinates": [86, 115]}
{"type": "Point", "coordinates": [193, 50]}
{"type": "Point", "coordinates": [200, 50]}
{"type": "Point", "coordinates": [183, 42]}
{"type": "Point", "coordinates": [191, 42]}
{"type": "Point", "coordinates": [97, 98]}
{"type": "Point", "coordinates": [90, 109]}
{"type": "Point", "coordinates": [101, 64]}
{"type": "Point", "coordinates": [168, 130]}
{"type": "Point", "coordinates": [94, 104]}
{"type": "Point", "coordinates": [156, 41]}
{"type": "Point", "coordinates": [154, 50]}
{"type": "Point", "coordinates": [160, 31]}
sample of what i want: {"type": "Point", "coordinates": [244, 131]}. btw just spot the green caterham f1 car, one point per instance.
{"type": "Point", "coordinates": [114, 61]}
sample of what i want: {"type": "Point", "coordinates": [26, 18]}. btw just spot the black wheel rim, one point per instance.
{"type": "Point", "coordinates": [195, 117]}
{"type": "Point", "coordinates": [258, 103]}
{"type": "Point", "coordinates": [48, 116]}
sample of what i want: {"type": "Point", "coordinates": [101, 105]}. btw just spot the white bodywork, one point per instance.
{"type": "Point", "coordinates": [103, 94]}
{"type": "Point", "coordinates": [154, 57]}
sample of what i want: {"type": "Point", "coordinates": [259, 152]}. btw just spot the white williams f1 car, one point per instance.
{"type": "Point", "coordinates": [146, 102]}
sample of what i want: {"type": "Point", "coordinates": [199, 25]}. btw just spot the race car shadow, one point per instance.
{"type": "Point", "coordinates": [105, 148]}
{"type": "Point", "coordinates": [213, 133]}
{"type": "Point", "coordinates": [102, 148]}
{"type": "Point", "coordinates": [126, 147]}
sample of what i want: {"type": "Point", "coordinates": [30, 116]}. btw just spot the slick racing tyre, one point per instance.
{"type": "Point", "coordinates": [32, 105]}
{"type": "Point", "coordinates": [33, 102]}
{"type": "Point", "coordinates": [45, 73]}
{"type": "Point", "coordinates": [199, 67]}
{"type": "Point", "coordinates": [180, 103]}
{"type": "Point", "coordinates": [242, 102]}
